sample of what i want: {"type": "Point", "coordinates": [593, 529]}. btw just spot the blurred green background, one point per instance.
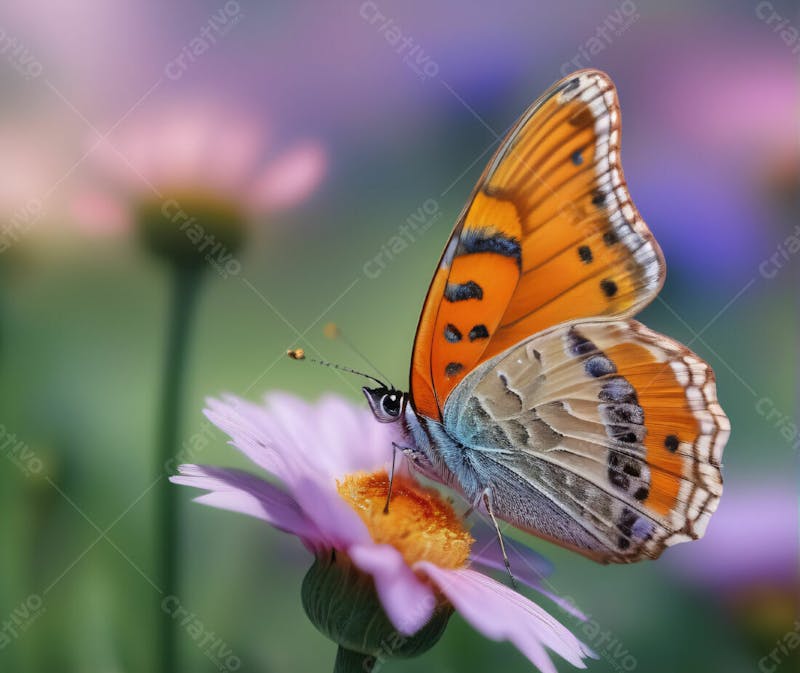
{"type": "Point", "coordinates": [360, 136]}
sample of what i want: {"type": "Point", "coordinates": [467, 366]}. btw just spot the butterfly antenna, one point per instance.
{"type": "Point", "coordinates": [333, 332]}
{"type": "Point", "coordinates": [300, 354]}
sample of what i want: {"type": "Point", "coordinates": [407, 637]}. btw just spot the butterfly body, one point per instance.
{"type": "Point", "coordinates": [533, 393]}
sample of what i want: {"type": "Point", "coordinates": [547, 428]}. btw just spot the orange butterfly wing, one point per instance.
{"type": "Point", "coordinates": [549, 235]}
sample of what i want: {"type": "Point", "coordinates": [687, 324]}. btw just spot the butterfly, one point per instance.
{"type": "Point", "coordinates": [533, 393]}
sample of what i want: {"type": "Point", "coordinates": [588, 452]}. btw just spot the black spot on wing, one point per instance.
{"type": "Point", "coordinates": [451, 333]}
{"type": "Point", "coordinates": [478, 332]}
{"type": "Point", "coordinates": [610, 238]}
{"type": "Point", "coordinates": [599, 197]}
{"type": "Point", "coordinates": [627, 434]}
{"type": "Point", "coordinates": [463, 291]}
{"type": "Point", "coordinates": [599, 365]}
{"type": "Point", "coordinates": [619, 480]}
{"type": "Point", "coordinates": [577, 344]}
{"type": "Point", "coordinates": [585, 253]}
{"type": "Point", "coordinates": [609, 287]}
{"type": "Point", "coordinates": [619, 390]}
{"type": "Point", "coordinates": [629, 474]}
{"type": "Point", "coordinates": [577, 158]}
{"type": "Point", "coordinates": [671, 442]}
{"type": "Point", "coordinates": [622, 413]}
{"type": "Point", "coordinates": [453, 368]}
{"type": "Point", "coordinates": [625, 525]}
{"type": "Point", "coordinates": [632, 468]}
{"type": "Point", "coordinates": [485, 240]}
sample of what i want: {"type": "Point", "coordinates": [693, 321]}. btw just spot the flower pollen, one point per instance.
{"type": "Point", "coordinates": [420, 524]}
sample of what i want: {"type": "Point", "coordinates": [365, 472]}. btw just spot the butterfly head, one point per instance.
{"type": "Point", "coordinates": [386, 403]}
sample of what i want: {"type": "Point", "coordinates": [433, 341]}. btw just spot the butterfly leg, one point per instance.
{"type": "Point", "coordinates": [395, 446]}
{"type": "Point", "coordinates": [487, 501]}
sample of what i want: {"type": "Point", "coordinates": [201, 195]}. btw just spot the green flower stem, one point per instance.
{"type": "Point", "coordinates": [185, 288]}
{"type": "Point", "coordinates": [348, 661]}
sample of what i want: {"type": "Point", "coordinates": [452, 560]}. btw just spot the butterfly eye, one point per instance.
{"type": "Point", "coordinates": [391, 404]}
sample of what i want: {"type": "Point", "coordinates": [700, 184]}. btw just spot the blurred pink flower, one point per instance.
{"type": "Point", "coordinates": [30, 171]}
{"type": "Point", "coordinates": [331, 459]}
{"type": "Point", "coordinates": [706, 92]}
{"type": "Point", "coordinates": [196, 148]}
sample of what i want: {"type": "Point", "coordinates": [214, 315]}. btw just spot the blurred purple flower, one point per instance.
{"type": "Point", "coordinates": [331, 459]}
{"type": "Point", "coordinates": [705, 217]}
{"type": "Point", "coordinates": [751, 544]}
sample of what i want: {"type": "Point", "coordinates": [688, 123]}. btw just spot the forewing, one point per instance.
{"type": "Point", "coordinates": [603, 436]}
{"type": "Point", "coordinates": [549, 235]}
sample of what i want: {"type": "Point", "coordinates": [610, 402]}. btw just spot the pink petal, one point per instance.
{"type": "Point", "coordinates": [328, 440]}
{"type": "Point", "coordinates": [408, 602]}
{"type": "Point", "coordinates": [279, 439]}
{"type": "Point", "coordinates": [180, 145]}
{"type": "Point", "coordinates": [282, 439]}
{"type": "Point", "coordinates": [338, 521]}
{"type": "Point", "coordinates": [237, 146]}
{"type": "Point", "coordinates": [244, 493]}
{"type": "Point", "coordinates": [101, 213]}
{"type": "Point", "coordinates": [349, 438]}
{"type": "Point", "coordinates": [501, 613]}
{"type": "Point", "coordinates": [292, 423]}
{"type": "Point", "coordinates": [248, 440]}
{"type": "Point", "coordinates": [290, 178]}
{"type": "Point", "coordinates": [123, 166]}
{"type": "Point", "coordinates": [189, 144]}
{"type": "Point", "coordinates": [202, 146]}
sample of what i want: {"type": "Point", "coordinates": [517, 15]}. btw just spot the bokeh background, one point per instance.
{"type": "Point", "coordinates": [326, 137]}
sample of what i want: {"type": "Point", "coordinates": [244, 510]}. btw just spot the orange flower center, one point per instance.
{"type": "Point", "coordinates": [420, 524]}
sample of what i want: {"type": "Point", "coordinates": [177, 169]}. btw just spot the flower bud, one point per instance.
{"type": "Point", "coordinates": [341, 601]}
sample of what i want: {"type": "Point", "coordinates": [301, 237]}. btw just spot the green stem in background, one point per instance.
{"type": "Point", "coordinates": [348, 661]}
{"type": "Point", "coordinates": [185, 288]}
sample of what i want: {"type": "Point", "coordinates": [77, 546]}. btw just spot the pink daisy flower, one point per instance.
{"type": "Point", "coordinates": [331, 461]}
{"type": "Point", "coordinates": [191, 148]}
